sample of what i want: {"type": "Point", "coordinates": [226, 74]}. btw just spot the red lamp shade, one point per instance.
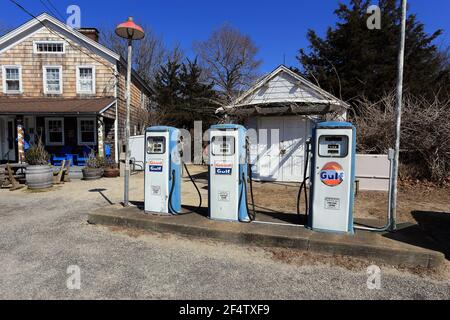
{"type": "Point", "coordinates": [130, 30]}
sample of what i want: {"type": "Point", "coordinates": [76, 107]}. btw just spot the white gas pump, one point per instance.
{"type": "Point", "coordinates": [332, 177]}
{"type": "Point", "coordinates": [228, 173]}
{"type": "Point", "coordinates": [162, 170]}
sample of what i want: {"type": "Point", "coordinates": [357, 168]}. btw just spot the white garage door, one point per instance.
{"type": "Point", "coordinates": [281, 156]}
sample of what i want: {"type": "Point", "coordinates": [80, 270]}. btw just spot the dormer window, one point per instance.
{"type": "Point", "coordinates": [53, 47]}
{"type": "Point", "coordinates": [12, 79]}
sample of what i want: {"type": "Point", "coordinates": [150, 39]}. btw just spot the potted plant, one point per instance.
{"type": "Point", "coordinates": [39, 173]}
{"type": "Point", "coordinates": [111, 168]}
{"type": "Point", "coordinates": [94, 167]}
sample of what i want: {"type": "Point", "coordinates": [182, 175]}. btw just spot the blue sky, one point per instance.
{"type": "Point", "coordinates": [277, 27]}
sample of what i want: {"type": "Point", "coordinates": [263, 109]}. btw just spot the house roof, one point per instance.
{"type": "Point", "coordinates": [41, 21]}
{"type": "Point", "coordinates": [41, 106]}
{"type": "Point", "coordinates": [283, 88]}
{"type": "Point", "coordinates": [45, 20]}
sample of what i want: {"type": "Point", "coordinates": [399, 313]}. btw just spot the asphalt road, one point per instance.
{"type": "Point", "coordinates": [42, 234]}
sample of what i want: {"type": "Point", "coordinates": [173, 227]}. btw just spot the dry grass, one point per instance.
{"type": "Point", "coordinates": [282, 197]}
{"type": "Point", "coordinates": [303, 258]}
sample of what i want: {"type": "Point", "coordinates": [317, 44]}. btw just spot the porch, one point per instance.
{"type": "Point", "coordinates": [69, 128]}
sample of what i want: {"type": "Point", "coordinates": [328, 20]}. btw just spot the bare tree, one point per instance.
{"type": "Point", "coordinates": [175, 55]}
{"type": "Point", "coordinates": [229, 60]}
{"type": "Point", "coordinates": [148, 54]}
{"type": "Point", "coordinates": [425, 134]}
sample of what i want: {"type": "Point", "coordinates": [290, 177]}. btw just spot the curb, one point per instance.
{"type": "Point", "coordinates": [397, 254]}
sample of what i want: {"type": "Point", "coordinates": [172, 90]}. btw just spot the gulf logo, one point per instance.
{"type": "Point", "coordinates": [332, 174]}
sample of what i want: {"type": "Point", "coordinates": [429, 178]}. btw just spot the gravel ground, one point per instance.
{"type": "Point", "coordinates": [42, 234]}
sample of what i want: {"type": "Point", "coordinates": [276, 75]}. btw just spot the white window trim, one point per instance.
{"type": "Point", "coordinates": [47, 136]}
{"type": "Point", "coordinates": [35, 43]}
{"type": "Point", "coordinates": [82, 143]}
{"type": "Point", "coordinates": [79, 91]}
{"type": "Point", "coordinates": [44, 77]}
{"type": "Point", "coordinates": [4, 79]}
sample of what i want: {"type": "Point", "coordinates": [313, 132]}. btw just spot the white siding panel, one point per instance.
{"type": "Point", "coordinates": [283, 88]}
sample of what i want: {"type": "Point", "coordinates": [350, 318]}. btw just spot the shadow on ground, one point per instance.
{"type": "Point", "coordinates": [200, 176]}
{"type": "Point", "coordinates": [432, 231]}
{"type": "Point", "coordinates": [101, 192]}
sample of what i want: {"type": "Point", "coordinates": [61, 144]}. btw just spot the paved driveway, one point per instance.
{"type": "Point", "coordinates": [42, 234]}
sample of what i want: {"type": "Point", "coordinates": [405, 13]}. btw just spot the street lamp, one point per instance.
{"type": "Point", "coordinates": [130, 31]}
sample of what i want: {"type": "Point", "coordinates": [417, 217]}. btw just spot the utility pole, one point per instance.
{"type": "Point", "coordinates": [399, 103]}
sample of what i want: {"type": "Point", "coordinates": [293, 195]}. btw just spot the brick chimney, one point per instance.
{"type": "Point", "coordinates": [92, 33]}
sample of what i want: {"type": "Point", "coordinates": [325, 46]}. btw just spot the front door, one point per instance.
{"type": "Point", "coordinates": [292, 151]}
{"type": "Point", "coordinates": [269, 148]}
{"type": "Point", "coordinates": [281, 156]}
{"type": "Point", "coordinates": [7, 139]}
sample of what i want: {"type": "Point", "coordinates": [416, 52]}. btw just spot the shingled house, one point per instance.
{"type": "Point", "coordinates": [62, 85]}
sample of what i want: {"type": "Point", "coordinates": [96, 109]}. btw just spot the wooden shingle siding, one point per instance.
{"type": "Point", "coordinates": [33, 63]}
{"type": "Point", "coordinates": [136, 106]}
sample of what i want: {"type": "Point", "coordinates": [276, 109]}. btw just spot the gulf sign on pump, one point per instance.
{"type": "Point", "coordinates": [155, 165]}
{"type": "Point", "coordinates": [224, 169]}
{"type": "Point", "coordinates": [332, 174]}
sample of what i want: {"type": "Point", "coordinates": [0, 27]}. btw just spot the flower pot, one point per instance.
{"type": "Point", "coordinates": [39, 177]}
{"type": "Point", "coordinates": [92, 173]}
{"type": "Point", "coordinates": [111, 172]}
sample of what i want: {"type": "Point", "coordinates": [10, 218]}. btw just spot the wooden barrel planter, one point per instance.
{"type": "Point", "coordinates": [92, 173]}
{"type": "Point", "coordinates": [39, 177]}
{"type": "Point", "coordinates": [111, 172]}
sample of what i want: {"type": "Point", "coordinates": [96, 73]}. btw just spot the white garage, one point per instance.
{"type": "Point", "coordinates": [282, 109]}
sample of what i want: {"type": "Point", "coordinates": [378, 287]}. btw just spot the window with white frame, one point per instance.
{"type": "Point", "coordinates": [86, 79]}
{"type": "Point", "coordinates": [53, 80]}
{"type": "Point", "coordinates": [49, 47]}
{"type": "Point", "coordinates": [86, 131]}
{"type": "Point", "coordinates": [54, 131]}
{"type": "Point", "coordinates": [12, 79]}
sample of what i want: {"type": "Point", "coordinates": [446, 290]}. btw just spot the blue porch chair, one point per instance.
{"type": "Point", "coordinates": [64, 154]}
{"type": "Point", "coordinates": [107, 151]}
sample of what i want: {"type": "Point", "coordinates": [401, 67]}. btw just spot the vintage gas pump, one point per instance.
{"type": "Point", "coordinates": [228, 173]}
{"type": "Point", "coordinates": [332, 177]}
{"type": "Point", "coordinates": [162, 170]}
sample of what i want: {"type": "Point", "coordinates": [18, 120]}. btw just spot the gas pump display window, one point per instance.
{"type": "Point", "coordinates": [156, 145]}
{"type": "Point", "coordinates": [333, 146]}
{"type": "Point", "coordinates": [223, 146]}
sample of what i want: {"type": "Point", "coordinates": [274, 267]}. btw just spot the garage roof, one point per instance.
{"type": "Point", "coordinates": [284, 91]}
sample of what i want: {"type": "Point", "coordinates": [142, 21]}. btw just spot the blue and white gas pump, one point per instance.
{"type": "Point", "coordinates": [228, 173]}
{"type": "Point", "coordinates": [162, 170]}
{"type": "Point", "coordinates": [332, 177]}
